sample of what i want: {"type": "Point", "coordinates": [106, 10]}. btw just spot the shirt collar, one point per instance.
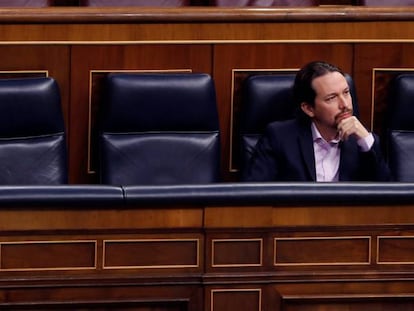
{"type": "Point", "coordinates": [316, 135]}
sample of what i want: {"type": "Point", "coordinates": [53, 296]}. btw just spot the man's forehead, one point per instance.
{"type": "Point", "coordinates": [331, 82]}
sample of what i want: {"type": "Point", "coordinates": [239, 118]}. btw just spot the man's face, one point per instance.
{"type": "Point", "coordinates": [333, 101]}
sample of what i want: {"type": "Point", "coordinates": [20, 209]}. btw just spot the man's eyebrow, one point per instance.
{"type": "Point", "coordinates": [331, 94]}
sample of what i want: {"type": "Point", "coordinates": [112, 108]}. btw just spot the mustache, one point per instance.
{"type": "Point", "coordinates": [347, 112]}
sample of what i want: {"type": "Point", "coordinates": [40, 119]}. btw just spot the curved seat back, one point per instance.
{"type": "Point", "coordinates": [160, 129]}
{"type": "Point", "coordinates": [32, 132]}
{"type": "Point", "coordinates": [400, 128]}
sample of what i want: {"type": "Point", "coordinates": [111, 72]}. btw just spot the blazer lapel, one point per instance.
{"type": "Point", "coordinates": [307, 152]}
{"type": "Point", "coordinates": [348, 163]}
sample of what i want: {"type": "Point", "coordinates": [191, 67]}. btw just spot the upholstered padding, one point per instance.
{"type": "Point", "coordinates": [32, 132]}
{"type": "Point", "coordinates": [265, 3]}
{"type": "Point", "coordinates": [268, 98]}
{"type": "Point", "coordinates": [167, 3]}
{"type": "Point", "coordinates": [160, 129]}
{"type": "Point", "coordinates": [401, 155]}
{"type": "Point", "coordinates": [401, 105]}
{"type": "Point", "coordinates": [400, 126]}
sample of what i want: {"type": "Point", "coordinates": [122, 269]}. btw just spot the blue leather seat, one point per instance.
{"type": "Point", "coordinates": [268, 98]}
{"type": "Point", "coordinates": [32, 132]}
{"type": "Point", "coordinates": [159, 129]}
{"type": "Point", "coordinates": [400, 128]}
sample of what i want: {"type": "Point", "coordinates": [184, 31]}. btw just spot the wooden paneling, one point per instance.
{"type": "Point", "coordinates": [375, 65]}
{"type": "Point", "coordinates": [151, 253]}
{"type": "Point", "coordinates": [242, 299]}
{"type": "Point", "coordinates": [396, 250]}
{"type": "Point", "coordinates": [302, 251]}
{"type": "Point", "coordinates": [23, 60]}
{"type": "Point", "coordinates": [137, 258]}
{"type": "Point", "coordinates": [48, 255]}
{"type": "Point", "coordinates": [237, 252]}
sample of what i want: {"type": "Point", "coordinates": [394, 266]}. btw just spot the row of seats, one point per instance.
{"type": "Point", "coordinates": [158, 129]}
{"type": "Point", "coordinates": [181, 3]}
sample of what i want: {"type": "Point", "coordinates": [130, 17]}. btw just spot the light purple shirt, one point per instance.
{"type": "Point", "coordinates": [328, 155]}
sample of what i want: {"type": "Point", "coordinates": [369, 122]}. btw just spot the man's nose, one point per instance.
{"type": "Point", "coordinates": [343, 102]}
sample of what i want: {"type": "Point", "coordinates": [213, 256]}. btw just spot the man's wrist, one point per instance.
{"type": "Point", "coordinates": [366, 143]}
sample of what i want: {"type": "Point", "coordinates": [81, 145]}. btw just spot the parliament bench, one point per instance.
{"type": "Point", "coordinates": [224, 246]}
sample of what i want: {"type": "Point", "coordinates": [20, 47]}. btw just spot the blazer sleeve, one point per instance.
{"type": "Point", "coordinates": [375, 167]}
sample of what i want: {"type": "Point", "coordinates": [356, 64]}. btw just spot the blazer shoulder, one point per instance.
{"type": "Point", "coordinates": [286, 127]}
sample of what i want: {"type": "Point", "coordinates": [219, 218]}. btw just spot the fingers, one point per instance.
{"type": "Point", "coordinates": [351, 126]}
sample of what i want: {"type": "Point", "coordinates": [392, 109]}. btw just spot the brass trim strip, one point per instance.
{"type": "Point", "coordinates": [230, 41]}
{"type": "Point", "coordinates": [342, 297]}
{"type": "Point", "coordinates": [46, 72]}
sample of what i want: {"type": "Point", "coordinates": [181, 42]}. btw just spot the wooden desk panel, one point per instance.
{"type": "Point", "coordinates": [207, 258]}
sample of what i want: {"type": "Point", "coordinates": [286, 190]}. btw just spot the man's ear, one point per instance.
{"type": "Point", "coordinates": [308, 109]}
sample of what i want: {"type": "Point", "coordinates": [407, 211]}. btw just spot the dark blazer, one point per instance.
{"type": "Point", "coordinates": [285, 153]}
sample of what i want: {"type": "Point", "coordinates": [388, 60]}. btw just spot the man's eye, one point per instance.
{"type": "Point", "coordinates": [330, 98]}
{"type": "Point", "coordinates": [347, 92]}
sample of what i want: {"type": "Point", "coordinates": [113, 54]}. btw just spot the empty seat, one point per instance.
{"type": "Point", "coordinates": [400, 128]}
{"type": "Point", "coordinates": [159, 129]}
{"type": "Point", "coordinates": [167, 3]}
{"type": "Point", "coordinates": [264, 3]}
{"type": "Point", "coordinates": [268, 98]}
{"type": "Point", "coordinates": [32, 132]}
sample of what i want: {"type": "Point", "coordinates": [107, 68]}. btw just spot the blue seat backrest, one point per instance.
{"type": "Point", "coordinates": [400, 128]}
{"type": "Point", "coordinates": [160, 129]}
{"type": "Point", "coordinates": [32, 132]}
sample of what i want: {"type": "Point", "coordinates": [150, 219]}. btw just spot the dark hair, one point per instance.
{"type": "Point", "coordinates": [302, 88]}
